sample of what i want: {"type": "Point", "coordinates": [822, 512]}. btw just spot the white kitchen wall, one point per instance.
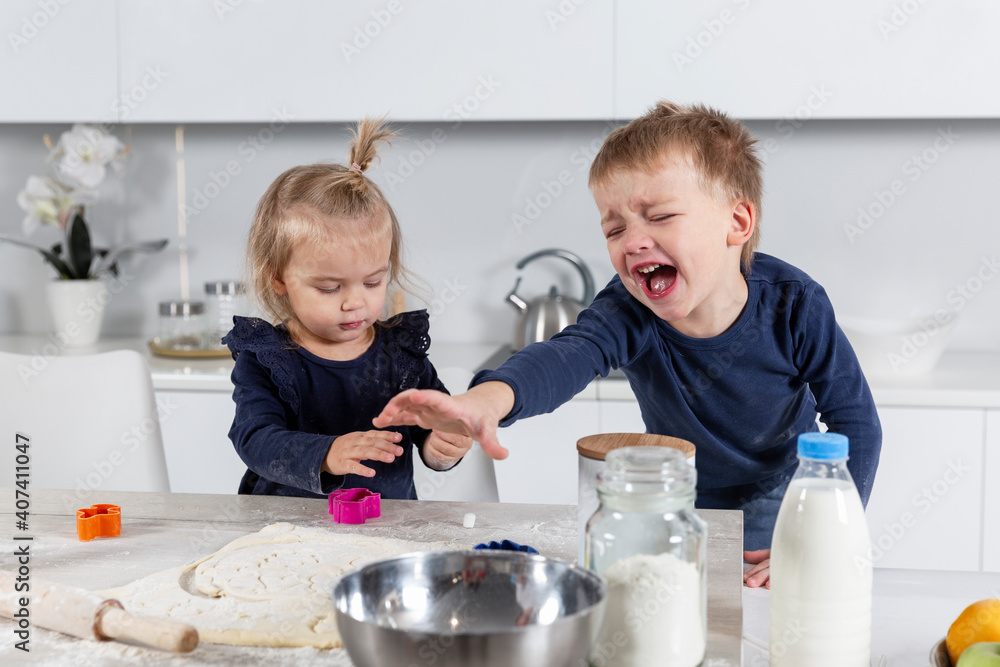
{"type": "Point", "coordinates": [473, 198]}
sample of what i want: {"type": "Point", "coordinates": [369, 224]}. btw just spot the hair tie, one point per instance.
{"type": "Point", "coordinates": [356, 167]}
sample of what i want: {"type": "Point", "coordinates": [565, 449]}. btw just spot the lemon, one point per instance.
{"type": "Point", "coordinates": [980, 622]}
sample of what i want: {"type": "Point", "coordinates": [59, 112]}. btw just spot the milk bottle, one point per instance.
{"type": "Point", "coordinates": [821, 577]}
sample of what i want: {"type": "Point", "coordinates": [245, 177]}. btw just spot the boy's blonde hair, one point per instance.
{"type": "Point", "coordinates": [322, 203]}
{"type": "Point", "coordinates": [719, 147]}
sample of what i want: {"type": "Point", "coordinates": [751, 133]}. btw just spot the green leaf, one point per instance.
{"type": "Point", "coordinates": [109, 262]}
{"type": "Point", "coordinates": [81, 254]}
{"type": "Point", "coordinates": [52, 258]}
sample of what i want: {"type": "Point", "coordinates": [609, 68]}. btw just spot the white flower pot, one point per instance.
{"type": "Point", "coordinates": [77, 308]}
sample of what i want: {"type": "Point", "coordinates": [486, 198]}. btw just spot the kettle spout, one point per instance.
{"type": "Point", "coordinates": [515, 300]}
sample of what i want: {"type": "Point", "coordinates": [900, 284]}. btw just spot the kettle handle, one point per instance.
{"type": "Point", "coordinates": [585, 274]}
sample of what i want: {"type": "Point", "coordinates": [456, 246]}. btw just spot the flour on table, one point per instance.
{"type": "Point", "coordinates": [271, 588]}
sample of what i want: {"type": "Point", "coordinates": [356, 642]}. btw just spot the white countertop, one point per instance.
{"type": "Point", "coordinates": [961, 379]}
{"type": "Point", "coordinates": [911, 611]}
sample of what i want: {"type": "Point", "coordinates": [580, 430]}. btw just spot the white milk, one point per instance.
{"type": "Point", "coordinates": [821, 577]}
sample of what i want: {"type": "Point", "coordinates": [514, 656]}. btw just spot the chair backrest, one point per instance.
{"type": "Point", "coordinates": [474, 479]}
{"type": "Point", "coordinates": [89, 421]}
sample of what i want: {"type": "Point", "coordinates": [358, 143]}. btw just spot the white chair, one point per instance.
{"type": "Point", "coordinates": [474, 479]}
{"type": "Point", "coordinates": [90, 421]}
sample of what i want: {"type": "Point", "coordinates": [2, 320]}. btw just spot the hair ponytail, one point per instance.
{"type": "Point", "coordinates": [369, 133]}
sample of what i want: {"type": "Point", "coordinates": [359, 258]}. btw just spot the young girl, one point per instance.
{"type": "Point", "coordinates": [324, 247]}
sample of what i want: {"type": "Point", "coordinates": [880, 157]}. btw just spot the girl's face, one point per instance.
{"type": "Point", "coordinates": [337, 294]}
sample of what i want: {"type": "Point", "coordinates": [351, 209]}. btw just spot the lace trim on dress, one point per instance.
{"type": "Point", "coordinates": [271, 346]}
{"type": "Point", "coordinates": [406, 343]}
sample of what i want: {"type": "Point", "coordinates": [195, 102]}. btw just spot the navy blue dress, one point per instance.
{"type": "Point", "coordinates": [292, 404]}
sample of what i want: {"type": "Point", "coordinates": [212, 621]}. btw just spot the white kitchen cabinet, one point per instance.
{"type": "Point", "coordinates": [926, 507]}
{"type": "Point", "coordinates": [542, 466]}
{"type": "Point", "coordinates": [195, 427]}
{"type": "Point", "coordinates": [60, 62]}
{"type": "Point", "coordinates": [302, 60]}
{"type": "Point", "coordinates": [801, 60]}
{"type": "Point", "coordinates": [620, 417]}
{"type": "Point", "coordinates": [991, 494]}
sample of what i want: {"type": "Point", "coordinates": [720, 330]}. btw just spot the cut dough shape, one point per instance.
{"type": "Point", "coordinates": [270, 588]}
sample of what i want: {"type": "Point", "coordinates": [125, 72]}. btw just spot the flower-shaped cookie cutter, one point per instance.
{"type": "Point", "coordinates": [355, 505]}
{"type": "Point", "coordinates": [98, 521]}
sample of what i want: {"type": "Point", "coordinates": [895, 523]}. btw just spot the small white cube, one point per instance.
{"type": "Point", "coordinates": [469, 521]}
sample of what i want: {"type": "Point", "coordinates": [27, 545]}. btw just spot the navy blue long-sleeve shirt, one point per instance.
{"type": "Point", "coordinates": [741, 397]}
{"type": "Point", "coordinates": [292, 404]}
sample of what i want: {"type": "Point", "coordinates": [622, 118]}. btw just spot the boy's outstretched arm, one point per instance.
{"type": "Point", "coordinates": [475, 413]}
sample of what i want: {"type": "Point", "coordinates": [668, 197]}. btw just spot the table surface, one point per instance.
{"type": "Point", "coordinates": [164, 530]}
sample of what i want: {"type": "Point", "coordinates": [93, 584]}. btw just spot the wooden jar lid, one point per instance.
{"type": "Point", "coordinates": [598, 446]}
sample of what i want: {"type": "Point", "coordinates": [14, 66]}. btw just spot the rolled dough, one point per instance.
{"type": "Point", "coordinates": [271, 588]}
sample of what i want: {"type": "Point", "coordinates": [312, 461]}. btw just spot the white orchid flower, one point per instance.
{"type": "Point", "coordinates": [83, 154]}
{"type": "Point", "coordinates": [46, 201]}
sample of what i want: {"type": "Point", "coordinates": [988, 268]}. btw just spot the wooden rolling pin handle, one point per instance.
{"type": "Point", "coordinates": [113, 622]}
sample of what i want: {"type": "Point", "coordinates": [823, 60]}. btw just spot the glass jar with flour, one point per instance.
{"type": "Point", "coordinates": [648, 542]}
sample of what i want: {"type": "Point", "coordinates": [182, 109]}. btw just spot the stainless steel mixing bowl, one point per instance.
{"type": "Point", "coordinates": [469, 608]}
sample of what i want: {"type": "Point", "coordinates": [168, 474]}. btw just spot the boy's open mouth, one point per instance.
{"type": "Point", "coordinates": [656, 279]}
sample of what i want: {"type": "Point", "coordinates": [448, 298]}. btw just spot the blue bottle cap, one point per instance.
{"type": "Point", "coordinates": [823, 446]}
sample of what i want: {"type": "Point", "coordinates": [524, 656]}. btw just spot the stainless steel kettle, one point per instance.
{"type": "Point", "coordinates": [545, 316]}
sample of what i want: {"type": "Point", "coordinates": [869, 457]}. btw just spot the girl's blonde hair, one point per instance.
{"type": "Point", "coordinates": [720, 148]}
{"type": "Point", "coordinates": [322, 203]}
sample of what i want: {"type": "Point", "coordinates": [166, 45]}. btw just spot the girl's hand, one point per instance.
{"type": "Point", "coordinates": [348, 451]}
{"type": "Point", "coordinates": [760, 573]}
{"type": "Point", "coordinates": [475, 413]}
{"type": "Point", "coordinates": [442, 450]}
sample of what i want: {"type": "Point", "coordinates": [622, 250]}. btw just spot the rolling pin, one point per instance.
{"type": "Point", "coordinates": [74, 611]}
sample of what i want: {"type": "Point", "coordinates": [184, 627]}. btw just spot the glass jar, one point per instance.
{"type": "Point", "coordinates": [224, 299]}
{"type": "Point", "coordinates": [648, 542]}
{"type": "Point", "coordinates": [182, 325]}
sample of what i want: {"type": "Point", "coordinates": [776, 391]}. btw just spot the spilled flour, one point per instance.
{"type": "Point", "coordinates": [271, 588]}
{"type": "Point", "coordinates": [653, 614]}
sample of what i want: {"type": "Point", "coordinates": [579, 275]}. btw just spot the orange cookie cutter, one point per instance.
{"type": "Point", "coordinates": [98, 521]}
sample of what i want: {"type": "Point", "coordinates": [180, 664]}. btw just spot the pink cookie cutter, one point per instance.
{"type": "Point", "coordinates": [355, 505]}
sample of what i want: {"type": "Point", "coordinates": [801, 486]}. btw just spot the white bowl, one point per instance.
{"type": "Point", "coordinates": [899, 347]}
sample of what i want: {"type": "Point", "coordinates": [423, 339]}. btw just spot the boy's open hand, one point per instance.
{"type": "Point", "coordinates": [442, 450]}
{"type": "Point", "coordinates": [348, 451]}
{"type": "Point", "coordinates": [760, 574]}
{"type": "Point", "coordinates": [475, 413]}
